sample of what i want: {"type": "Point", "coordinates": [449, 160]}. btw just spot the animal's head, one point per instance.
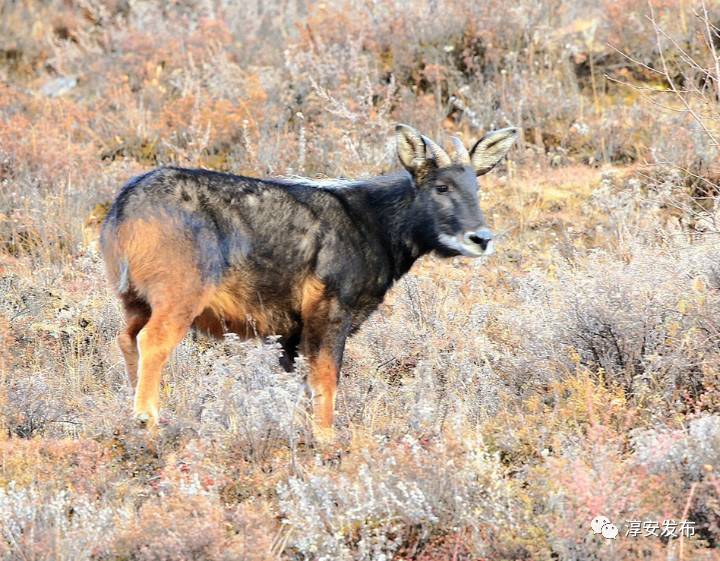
{"type": "Point", "coordinates": [448, 190]}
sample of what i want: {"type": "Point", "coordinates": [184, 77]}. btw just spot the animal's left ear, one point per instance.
{"type": "Point", "coordinates": [491, 148]}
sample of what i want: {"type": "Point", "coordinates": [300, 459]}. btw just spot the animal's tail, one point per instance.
{"type": "Point", "coordinates": [124, 277]}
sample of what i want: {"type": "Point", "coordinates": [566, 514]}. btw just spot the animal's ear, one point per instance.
{"type": "Point", "coordinates": [410, 149]}
{"type": "Point", "coordinates": [491, 148]}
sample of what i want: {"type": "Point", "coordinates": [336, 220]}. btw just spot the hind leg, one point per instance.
{"type": "Point", "coordinates": [163, 332]}
{"type": "Point", "coordinates": [137, 314]}
{"type": "Point", "coordinates": [164, 265]}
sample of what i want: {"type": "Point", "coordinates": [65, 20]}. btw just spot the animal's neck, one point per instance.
{"type": "Point", "coordinates": [401, 222]}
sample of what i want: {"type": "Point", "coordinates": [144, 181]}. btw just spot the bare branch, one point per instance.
{"type": "Point", "coordinates": [682, 98]}
{"type": "Point", "coordinates": [712, 30]}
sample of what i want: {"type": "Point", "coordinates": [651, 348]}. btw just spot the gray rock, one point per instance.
{"type": "Point", "coordinates": [59, 86]}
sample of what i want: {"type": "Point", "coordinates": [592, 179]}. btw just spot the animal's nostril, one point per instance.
{"type": "Point", "coordinates": [474, 238]}
{"type": "Point", "coordinates": [481, 238]}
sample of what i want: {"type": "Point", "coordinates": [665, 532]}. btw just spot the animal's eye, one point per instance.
{"type": "Point", "coordinates": [442, 188]}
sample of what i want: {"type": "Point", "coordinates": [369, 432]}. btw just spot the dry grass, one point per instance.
{"type": "Point", "coordinates": [488, 410]}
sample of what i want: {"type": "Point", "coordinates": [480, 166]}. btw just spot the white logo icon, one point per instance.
{"type": "Point", "coordinates": [610, 531]}
{"type": "Point", "coordinates": [598, 522]}
{"type": "Point", "coordinates": [602, 525]}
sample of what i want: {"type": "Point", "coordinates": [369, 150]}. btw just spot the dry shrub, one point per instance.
{"type": "Point", "coordinates": [644, 321]}
{"type": "Point", "coordinates": [36, 524]}
{"type": "Point", "coordinates": [85, 464]}
{"type": "Point", "coordinates": [688, 455]}
{"type": "Point", "coordinates": [188, 521]}
{"type": "Point", "coordinates": [596, 479]}
{"type": "Point", "coordinates": [687, 451]}
{"type": "Point", "coordinates": [187, 527]}
{"type": "Point", "coordinates": [51, 322]}
{"type": "Point", "coordinates": [236, 392]}
{"type": "Point", "coordinates": [394, 500]}
{"type": "Point", "coordinates": [397, 379]}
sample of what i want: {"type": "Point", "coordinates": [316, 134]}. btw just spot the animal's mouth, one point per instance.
{"type": "Point", "coordinates": [468, 244]}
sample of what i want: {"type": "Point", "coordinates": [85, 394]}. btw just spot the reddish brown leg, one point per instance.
{"type": "Point", "coordinates": [325, 328]}
{"type": "Point", "coordinates": [322, 380]}
{"type": "Point", "coordinates": [162, 333]}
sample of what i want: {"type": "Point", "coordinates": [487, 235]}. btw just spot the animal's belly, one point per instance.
{"type": "Point", "coordinates": [246, 314]}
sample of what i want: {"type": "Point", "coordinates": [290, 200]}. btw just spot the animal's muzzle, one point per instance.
{"type": "Point", "coordinates": [482, 239]}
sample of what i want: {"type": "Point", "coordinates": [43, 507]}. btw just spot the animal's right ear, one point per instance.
{"type": "Point", "coordinates": [410, 149]}
{"type": "Point", "coordinates": [491, 148]}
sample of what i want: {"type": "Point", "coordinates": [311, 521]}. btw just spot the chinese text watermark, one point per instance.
{"type": "Point", "coordinates": [667, 529]}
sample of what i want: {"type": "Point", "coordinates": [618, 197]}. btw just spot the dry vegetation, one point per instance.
{"type": "Point", "coordinates": [489, 410]}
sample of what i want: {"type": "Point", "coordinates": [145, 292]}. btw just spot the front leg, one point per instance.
{"type": "Point", "coordinates": [322, 381]}
{"type": "Point", "coordinates": [326, 324]}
